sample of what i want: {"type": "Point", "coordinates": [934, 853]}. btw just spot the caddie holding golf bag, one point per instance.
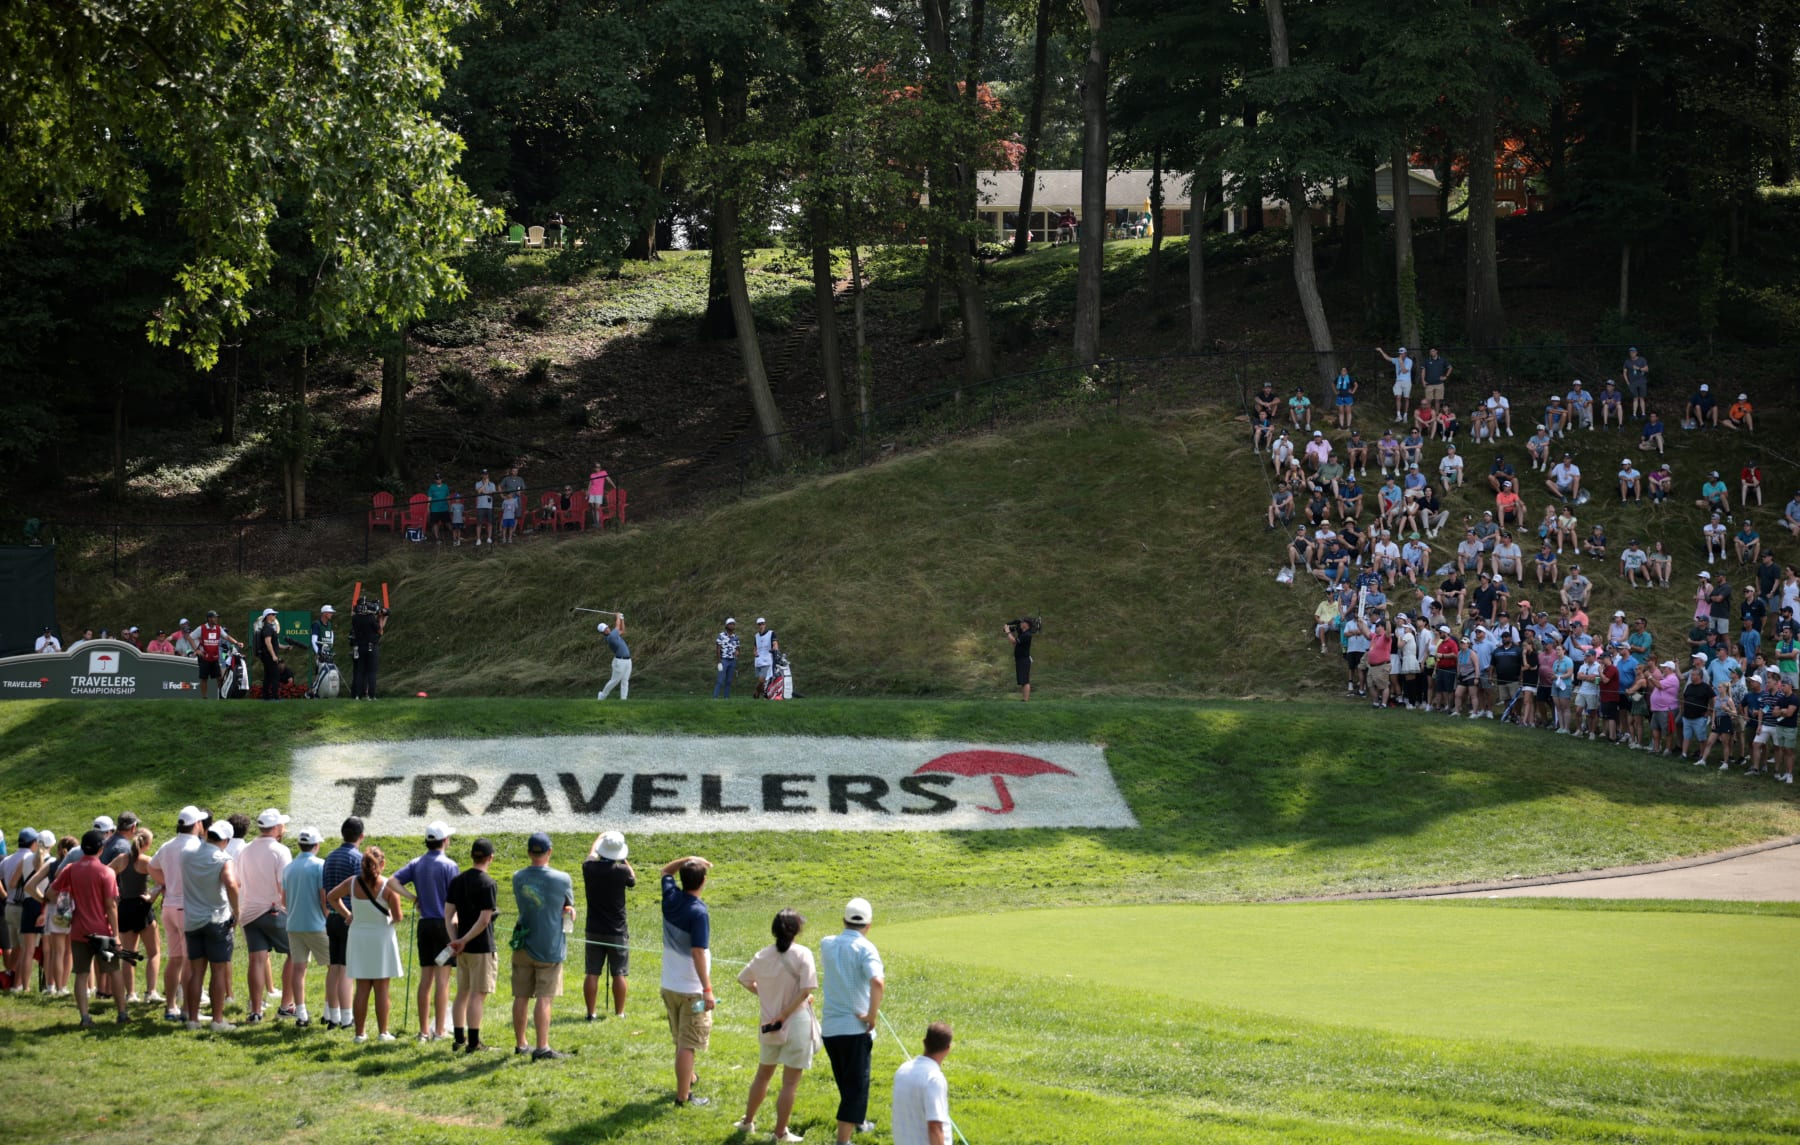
{"type": "Point", "coordinates": [325, 682]}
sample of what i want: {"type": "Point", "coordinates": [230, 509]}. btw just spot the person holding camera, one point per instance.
{"type": "Point", "coordinates": [94, 889]}
{"type": "Point", "coordinates": [366, 628]}
{"type": "Point", "coordinates": [784, 979]}
{"type": "Point", "coordinates": [1020, 632]}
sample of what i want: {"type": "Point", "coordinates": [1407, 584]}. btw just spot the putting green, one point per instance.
{"type": "Point", "coordinates": [1668, 982]}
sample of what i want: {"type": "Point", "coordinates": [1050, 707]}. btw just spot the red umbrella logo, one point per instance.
{"type": "Point", "coordinates": [997, 765]}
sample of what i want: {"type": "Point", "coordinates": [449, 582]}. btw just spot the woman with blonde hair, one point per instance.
{"type": "Point", "coordinates": [783, 978]}
{"type": "Point", "coordinates": [58, 916]}
{"type": "Point", "coordinates": [372, 955]}
{"type": "Point", "coordinates": [137, 914]}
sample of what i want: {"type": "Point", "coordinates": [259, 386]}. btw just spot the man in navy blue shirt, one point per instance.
{"type": "Point", "coordinates": [687, 968]}
{"type": "Point", "coordinates": [614, 635]}
{"type": "Point", "coordinates": [430, 874]}
{"type": "Point", "coordinates": [341, 864]}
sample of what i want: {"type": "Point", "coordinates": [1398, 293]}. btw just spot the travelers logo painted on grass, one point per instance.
{"type": "Point", "coordinates": [650, 784]}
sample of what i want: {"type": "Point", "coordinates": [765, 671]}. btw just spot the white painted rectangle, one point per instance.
{"type": "Point", "coordinates": [649, 784]}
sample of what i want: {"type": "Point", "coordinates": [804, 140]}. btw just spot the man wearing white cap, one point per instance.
{"type": "Point", "coordinates": [614, 635]}
{"type": "Point", "coordinates": [606, 876]}
{"type": "Point", "coordinates": [853, 978]}
{"type": "Point", "coordinates": [166, 868]}
{"type": "Point", "coordinates": [268, 650]}
{"type": "Point", "coordinates": [727, 642]}
{"type": "Point", "coordinates": [303, 890]}
{"type": "Point", "coordinates": [1403, 380]}
{"type": "Point", "coordinates": [260, 866]}
{"type": "Point", "coordinates": [210, 906]}
{"type": "Point", "coordinates": [426, 880]}
{"type": "Point", "coordinates": [324, 645]}
{"type": "Point", "coordinates": [766, 647]}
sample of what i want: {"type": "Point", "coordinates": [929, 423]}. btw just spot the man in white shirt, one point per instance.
{"type": "Point", "coordinates": [1450, 469]}
{"type": "Point", "coordinates": [48, 642]}
{"type": "Point", "coordinates": [1500, 410]}
{"type": "Point", "coordinates": [1565, 479]}
{"type": "Point", "coordinates": [165, 868]}
{"type": "Point", "coordinates": [922, 1095]}
{"type": "Point", "coordinates": [1403, 380]}
{"type": "Point", "coordinates": [264, 918]}
{"type": "Point", "coordinates": [1631, 482]}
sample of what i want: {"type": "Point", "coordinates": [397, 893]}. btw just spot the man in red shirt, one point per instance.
{"type": "Point", "coordinates": [209, 641]}
{"type": "Point", "coordinates": [1444, 679]}
{"type": "Point", "coordinates": [1609, 691]}
{"type": "Point", "coordinates": [95, 890]}
{"type": "Point", "coordinates": [160, 644]}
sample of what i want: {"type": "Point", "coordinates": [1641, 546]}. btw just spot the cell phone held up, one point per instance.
{"type": "Point", "coordinates": [771, 1027]}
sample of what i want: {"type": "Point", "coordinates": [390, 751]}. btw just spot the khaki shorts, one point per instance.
{"type": "Point", "coordinates": [691, 1031]}
{"type": "Point", "coordinates": [478, 973]}
{"type": "Point", "coordinates": [797, 1052]}
{"type": "Point", "coordinates": [534, 979]}
{"type": "Point", "coordinates": [1379, 675]}
{"type": "Point", "coordinates": [1434, 394]}
{"type": "Point", "coordinates": [304, 945]}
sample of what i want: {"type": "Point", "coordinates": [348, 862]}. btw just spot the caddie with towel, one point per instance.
{"type": "Point", "coordinates": [766, 647]}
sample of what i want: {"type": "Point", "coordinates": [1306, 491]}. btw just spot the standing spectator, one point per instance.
{"type": "Point", "coordinates": [509, 517]}
{"type": "Point", "coordinates": [1636, 376]}
{"type": "Point", "coordinates": [166, 868]}
{"type": "Point", "coordinates": [456, 520]}
{"type": "Point", "coordinates": [596, 493]}
{"type": "Point", "coordinates": [1719, 605]}
{"type": "Point", "coordinates": [470, 906]}
{"type": "Point", "coordinates": [431, 874]}
{"type": "Point", "coordinates": [366, 627]}
{"type": "Point", "coordinates": [268, 650]}
{"type": "Point", "coordinates": [687, 991]}
{"type": "Point", "coordinates": [1344, 387]}
{"type": "Point", "coordinates": [1355, 642]}
{"type": "Point", "coordinates": [94, 889]}
{"type": "Point", "coordinates": [922, 1096]}
{"type": "Point", "coordinates": [1437, 372]}
{"type": "Point", "coordinates": [545, 901]}
{"type": "Point", "coordinates": [484, 508]}
{"type": "Point", "coordinates": [614, 635]}
{"type": "Point", "coordinates": [372, 954]}
{"type": "Point", "coordinates": [183, 639]}
{"type": "Point", "coordinates": [1701, 408]}
{"type": "Point", "coordinates": [303, 890]}
{"type": "Point", "coordinates": [265, 920]}
{"type": "Point", "coordinates": [439, 493]}
{"type": "Point", "coordinates": [727, 643]}
{"type": "Point", "coordinates": [324, 645]}
{"type": "Point", "coordinates": [512, 485]}
{"type": "Point", "coordinates": [783, 978]}
{"type": "Point", "coordinates": [1696, 704]}
{"type": "Point", "coordinates": [210, 908]}
{"type": "Point", "coordinates": [341, 865]}
{"type": "Point", "coordinates": [1403, 380]}
{"type": "Point", "coordinates": [137, 913]}
{"type": "Point", "coordinates": [1786, 713]}
{"type": "Point", "coordinates": [1750, 481]}
{"type": "Point", "coordinates": [606, 875]}
{"type": "Point", "coordinates": [854, 980]}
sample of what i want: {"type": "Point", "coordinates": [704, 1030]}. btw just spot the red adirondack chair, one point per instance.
{"type": "Point", "coordinates": [613, 507]}
{"type": "Point", "coordinates": [418, 511]}
{"type": "Point", "coordinates": [576, 514]}
{"type": "Point", "coordinates": [381, 512]}
{"type": "Point", "coordinates": [549, 507]}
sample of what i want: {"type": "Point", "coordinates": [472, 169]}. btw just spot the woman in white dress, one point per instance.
{"type": "Point", "coordinates": [783, 978]}
{"type": "Point", "coordinates": [371, 904]}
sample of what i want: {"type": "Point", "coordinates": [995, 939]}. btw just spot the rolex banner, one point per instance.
{"type": "Point", "coordinates": [98, 669]}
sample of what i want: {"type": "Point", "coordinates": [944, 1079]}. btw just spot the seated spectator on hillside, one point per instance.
{"type": "Point", "coordinates": [1329, 474]}
{"type": "Point", "coordinates": [1631, 564]}
{"type": "Point", "coordinates": [1356, 453]}
{"type": "Point", "coordinates": [1299, 551]}
{"type": "Point", "coordinates": [1714, 533]}
{"type": "Point", "coordinates": [1538, 447]}
{"type": "Point", "coordinates": [1349, 498]}
{"type": "Point", "coordinates": [1430, 511]}
{"type": "Point", "coordinates": [1631, 482]}
{"type": "Point", "coordinates": [1662, 483]}
{"type": "Point", "coordinates": [1715, 495]}
{"type": "Point", "coordinates": [1487, 532]}
{"type": "Point", "coordinates": [1546, 564]}
{"type": "Point", "coordinates": [1481, 425]}
{"type": "Point", "coordinates": [1415, 559]}
{"type": "Point", "coordinates": [1565, 479]}
{"type": "Point", "coordinates": [1499, 411]}
{"type": "Point", "coordinates": [1576, 588]}
{"type": "Point", "coordinates": [1387, 452]}
{"type": "Point", "coordinates": [1262, 433]}
{"type": "Point", "coordinates": [1300, 409]}
{"type": "Point", "coordinates": [1268, 403]}
{"type": "Point", "coordinates": [1565, 530]}
{"type": "Point", "coordinates": [1447, 425]}
{"type": "Point", "coordinates": [1281, 508]}
{"type": "Point", "coordinates": [1425, 419]}
{"type": "Point", "coordinates": [1318, 507]}
{"type": "Point", "coordinates": [1581, 406]}
{"type": "Point", "coordinates": [1749, 481]}
{"type": "Point", "coordinates": [1508, 559]}
{"type": "Point", "coordinates": [1595, 544]}
{"type": "Point", "coordinates": [1452, 593]}
{"type": "Point", "coordinates": [1741, 415]}
{"type": "Point", "coordinates": [1295, 478]}
{"type": "Point", "coordinates": [1500, 470]}
{"type": "Point", "coordinates": [160, 645]}
{"type": "Point", "coordinates": [1390, 502]}
{"type": "Point", "coordinates": [1281, 451]}
{"type": "Point", "coordinates": [1651, 436]}
{"type": "Point", "coordinates": [1470, 556]}
{"type": "Point", "coordinates": [1412, 447]}
{"type": "Point", "coordinates": [1317, 450]}
{"type": "Point", "coordinates": [1701, 408]}
{"type": "Point", "coordinates": [1790, 516]}
{"type": "Point", "coordinates": [1450, 470]}
{"type": "Point", "coordinates": [1328, 617]}
{"type": "Point", "coordinates": [1747, 542]}
{"type": "Point", "coordinates": [1509, 506]}
{"type": "Point", "coordinates": [1556, 417]}
{"type": "Point", "coordinates": [1612, 405]}
{"type": "Point", "coordinates": [1660, 562]}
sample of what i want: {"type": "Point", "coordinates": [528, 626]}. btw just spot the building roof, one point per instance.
{"type": "Point", "coordinates": [1130, 189]}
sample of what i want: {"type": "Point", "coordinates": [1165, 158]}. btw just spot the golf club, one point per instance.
{"type": "Point", "coordinates": [601, 611]}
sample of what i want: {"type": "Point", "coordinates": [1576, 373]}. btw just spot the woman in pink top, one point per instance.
{"type": "Point", "coordinates": [596, 493]}
{"type": "Point", "coordinates": [1664, 699]}
{"type": "Point", "coordinates": [783, 978]}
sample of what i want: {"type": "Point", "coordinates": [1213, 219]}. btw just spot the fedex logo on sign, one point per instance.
{"type": "Point", "coordinates": [102, 662]}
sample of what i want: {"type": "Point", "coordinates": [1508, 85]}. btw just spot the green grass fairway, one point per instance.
{"type": "Point", "coordinates": [1651, 981]}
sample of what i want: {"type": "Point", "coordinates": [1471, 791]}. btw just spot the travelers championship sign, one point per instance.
{"type": "Point", "coordinates": [98, 669]}
{"type": "Point", "coordinates": [648, 784]}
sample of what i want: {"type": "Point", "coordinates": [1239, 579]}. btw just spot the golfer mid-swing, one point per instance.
{"type": "Point", "coordinates": [621, 665]}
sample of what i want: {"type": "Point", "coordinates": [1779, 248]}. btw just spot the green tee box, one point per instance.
{"type": "Point", "coordinates": [98, 669]}
{"type": "Point", "coordinates": [296, 629]}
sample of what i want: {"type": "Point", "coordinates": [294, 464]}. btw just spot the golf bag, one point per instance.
{"type": "Point", "coordinates": [325, 683]}
{"type": "Point", "coordinates": [780, 684]}
{"type": "Point", "coordinates": [234, 682]}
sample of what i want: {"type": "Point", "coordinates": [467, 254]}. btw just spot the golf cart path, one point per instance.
{"type": "Point", "coordinates": [1760, 872]}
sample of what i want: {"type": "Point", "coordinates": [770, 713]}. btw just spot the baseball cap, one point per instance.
{"type": "Point", "coordinates": [1668, 664]}
{"type": "Point", "coordinates": [762, 620]}
{"type": "Point", "coordinates": [612, 846]}
{"type": "Point", "coordinates": [1704, 387]}
{"type": "Point", "coordinates": [133, 628]}
{"type": "Point", "coordinates": [437, 831]}
{"type": "Point", "coordinates": [104, 823]}
{"type": "Point", "coordinates": [1698, 656]}
{"type": "Point", "coordinates": [271, 817]}
{"type": "Point", "coordinates": [210, 613]}
{"type": "Point", "coordinates": [190, 815]}
{"type": "Point", "coordinates": [1743, 397]}
{"type": "Point", "coordinates": [27, 836]}
{"type": "Point", "coordinates": [730, 620]}
{"type": "Point", "coordinates": [1403, 349]}
{"type": "Point", "coordinates": [1705, 576]}
{"type": "Point", "coordinates": [309, 836]}
{"type": "Point", "coordinates": [601, 627]}
{"type": "Point", "coordinates": [538, 844]}
{"type": "Point", "coordinates": [1625, 461]}
{"type": "Point", "coordinates": [859, 912]}
{"type": "Point", "coordinates": [268, 612]}
{"type": "Point", "coordinates": [1318, 433]}
{"type": "Point", "coordinates": [183, 622]}
{"type": "Point", "coordinates": [220, 831]}
{"type": "Point", "coordinates": [1443, 628]}
{"type": "Point", "coordinates": [326, 608]}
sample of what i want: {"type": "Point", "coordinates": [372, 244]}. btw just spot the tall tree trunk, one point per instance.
{"type": "Point", "coordinates": [1306, 275]}
{"type": "Point", "coordinates": [1784, 43]}
{"type": "Point", "coordinates": [390, 428]}
{"type": "Point", "coordinates": [1625, 247]}
{"type": "Point", "coordinates": [228, 403]}
{"type": "Point", "coordinates": [1092, 256]}
{"type": "Point", "coordinates": [958, 253]}
{"type": "Point", "coordinates": [1196, 253]}
{"type": "Point", "coordinates": [825, 302]}
{"type": "Point", "coordinates": [717, 323]}
{"type": "Point", "coordinates": [1034, 127]}
{"type": "Point", "coordinates": [1154, 277]}
{"type": "Point", "coordinates": [1485, 319]}
{"type": "Point", "coordinates": [298, 446]}
{"type": "Point", "coordinates": [643, 243]}
{"type": "Point", "coordinates": [864, 365]}
{"type": "Point", "coordinates": [1406, 281]}
{"type": "Point", "coordinates": [931, 295]}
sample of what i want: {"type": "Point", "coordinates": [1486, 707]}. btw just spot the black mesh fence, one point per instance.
{"type": "Point", "coordinates": [1528, 375]}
